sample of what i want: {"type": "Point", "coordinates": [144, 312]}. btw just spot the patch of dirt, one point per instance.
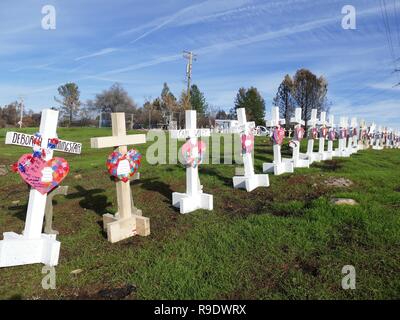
{"type": "Point", "coordinates": [303, 188]}
{"type": "Point", "coordinates": [397, 189]}
{"type": "Point", "coordinates": [125, 292]}
{"type": "Point", "coordinates": [329, 165]}
{"type": "Point", "coordinates": [338, 182]}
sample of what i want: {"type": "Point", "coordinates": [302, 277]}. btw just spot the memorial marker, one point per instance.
{"type": "Point", "coordinates": [298, 160]}
{"type": "Point", "coordinates": [122, 165]}
{"type": "Point", "coordinates": [279, 165]}
{"type": "Point", "coordinates": [43, 173]}
{"type": "Point", "coordinates": [250, 180]}
{"type": "Point", "coordinates": [193, 150]}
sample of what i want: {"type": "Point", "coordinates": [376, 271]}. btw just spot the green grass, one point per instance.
{"type": "Point", "coordinates": [283, 242]}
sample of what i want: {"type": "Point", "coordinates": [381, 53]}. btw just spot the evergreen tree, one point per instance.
{"type": "Point", "coordinates": [197, 100]}
{"type": "Point", "coordinates": [252, 101]}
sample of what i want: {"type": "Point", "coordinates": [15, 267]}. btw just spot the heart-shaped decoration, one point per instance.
{"type": "Point", "coordinates": [278, 135]}
{"type": "Point", "coordinates": [324, 132]}
{"type": "Point", "coordinates": [40, 174]}
{"type": "Point", "coordinates": [193, 152]}
{"type": "Point", "coordinates": [343, 133]}
{"type": "Point", "coordinates": [123, 166]}
{"type": "Point", "coordinates": [299, 133]}
{"type": "Point", "coordinates": [314, 133]}
{"type": "Point", "coordinates": [247, 143]}
{"type": "Point", "coordinates": [332, 135]}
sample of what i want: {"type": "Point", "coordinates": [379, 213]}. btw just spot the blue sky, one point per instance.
{"type": "Point", "coordinates": [238, 43]}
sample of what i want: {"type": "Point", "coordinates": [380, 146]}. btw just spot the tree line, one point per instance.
{"type": "Point", "coordinates": [304, 90]}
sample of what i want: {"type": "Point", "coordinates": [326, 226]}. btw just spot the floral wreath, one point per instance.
{"type": "Point", "coordinates": [134, 158]}
{"type": "Point", "coordinates": [191, 156]}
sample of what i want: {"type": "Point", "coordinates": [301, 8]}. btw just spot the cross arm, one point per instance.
{"type": "Point", "coordinates": [117, 141]}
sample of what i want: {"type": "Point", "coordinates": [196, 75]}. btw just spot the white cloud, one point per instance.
{"type": "Point", "coordinates": [101, 52]}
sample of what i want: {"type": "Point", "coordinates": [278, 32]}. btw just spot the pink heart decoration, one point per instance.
{"type": "Point", "coordinates": [278, 135]}
{"type": "Point", "coordinates": [247, 143]}
{"type": "Point", "coordinates": [31, 170]}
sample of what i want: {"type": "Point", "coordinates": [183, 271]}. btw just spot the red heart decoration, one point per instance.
{"type": "Point", "coordinates": [31, 170]}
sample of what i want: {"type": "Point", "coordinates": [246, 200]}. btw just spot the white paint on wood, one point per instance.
{"type": "Point", "coordinates": [250, 180]}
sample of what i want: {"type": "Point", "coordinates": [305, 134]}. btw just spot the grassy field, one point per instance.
{"type": "Point", "coordinates": [283, 242]}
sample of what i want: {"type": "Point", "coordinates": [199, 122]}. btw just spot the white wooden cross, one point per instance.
{"type": "Point", "coordinates": [279, 165]}
{"type": "Point", "coordinates": [323, 125]}
{"type": "Point", "coordinates": [33, 246]}
{"type": "Point", "coordinates": [311, 155]}
{"type": "Point", "coordinates": [371, 134]}
{"type": "Point", "coordinates": [299, 160]}
{"type": "Point", "coordinates": [128, 221]}
{"type": "Point", "coordinates": [342, 150]}
{"type": "Point", "coordinates": [193, 198]}
{"type": "Point", "coordinates": [352, 145]}
{"type": "Point", "coordinates": [378, 139]}
{"type": "Point", "coordinates": [250, 180]}
{"type": "Point", "coordinates": [361, 136]}
{"type": "Point", "coordinates": [331, 126]}
{"type": "Point", "coordinates": [389, 133]}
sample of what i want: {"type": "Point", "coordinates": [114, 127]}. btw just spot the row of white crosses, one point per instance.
{"type": "Point", "coordinates": [33, 246]}
{"type": "Point", "coordinates": [351, 138]}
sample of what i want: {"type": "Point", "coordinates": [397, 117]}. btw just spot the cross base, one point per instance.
{"type": "Point", "coordinates": [189, 203]}
{"type": "Point", "coordinates": [16, 250]}
{"type": "Point", "coordinates": [311, 157]}
{"type": "Point", "coordinates": [342, 153]}
{"type": "Point", "coordinates": [122, 228]}
{"type": "Point", "coordinates": [325, 155]}
{"type": "Point", "coordinates": [301, 163]}
{"type": "Point", "coordinates": [251, 182]}
{"type": "Point", "coordinates": [377, 147]}
{"type": "Point", "coordinates": [286, 166]}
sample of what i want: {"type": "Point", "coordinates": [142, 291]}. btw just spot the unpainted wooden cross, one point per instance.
{"type": "Point", "coordinates": [128, 221]}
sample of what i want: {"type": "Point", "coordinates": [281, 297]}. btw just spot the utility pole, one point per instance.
{"type": "Point", "coordinates": [190, 56]}
{"type": "Point", "coordinates": [21, 106]}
